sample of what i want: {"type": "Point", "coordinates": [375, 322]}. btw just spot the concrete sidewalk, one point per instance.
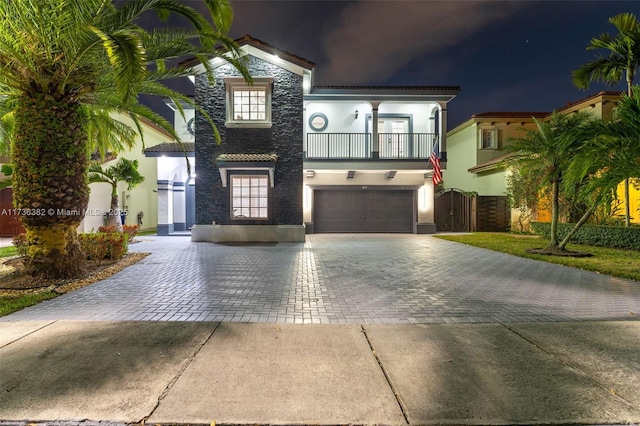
{"type": "Point", "coordinates": [239, 373]}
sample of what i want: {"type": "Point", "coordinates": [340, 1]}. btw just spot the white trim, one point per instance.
{"type": "Point", "coordinates": [238, 83]}
{"type": "Point", "coordinates": [260, 54]}
{"type": "Point", "coordinates": [225, 169]}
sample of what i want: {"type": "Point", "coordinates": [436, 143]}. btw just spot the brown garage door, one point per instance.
{"type": "Point", "coordinates": [10, 225]}
{"type": "Point", "coordinates": [357, 210]}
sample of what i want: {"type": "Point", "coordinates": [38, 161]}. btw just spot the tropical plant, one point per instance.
{"type": "Point", "coordinates": [623, 59]}
{"type": "Point", "coordinates": [122, 171]}
{"type": "Point", "coordinates": [59, 60]}
{"type": "Point", "coordinates": [614, 146]}
{"type": "Point", "coordinates": [522, 194]}
{"type": "Point", "coordinates": [547, 151]}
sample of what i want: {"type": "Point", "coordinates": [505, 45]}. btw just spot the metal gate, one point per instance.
{"type": "Point", "coordinates": [454, 211]}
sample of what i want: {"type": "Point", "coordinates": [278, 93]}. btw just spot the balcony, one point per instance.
{"type": "Point", "coordinates": [358, 146]}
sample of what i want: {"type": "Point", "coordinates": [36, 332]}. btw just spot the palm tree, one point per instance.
{"type": "Point", "coordinates": [122, 171]}
{"type": "Point", "coordinates": [58, 61]}
{"type": "Point", "coordinates": [547, 151]}
{"type": "Point", "coordinates": [624, 58]}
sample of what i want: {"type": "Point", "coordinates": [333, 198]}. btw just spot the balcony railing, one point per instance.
{"type": "Point", "coordinates": [358, 145]}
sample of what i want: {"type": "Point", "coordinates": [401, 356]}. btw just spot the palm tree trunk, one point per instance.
{"type": "Point", "coordinates": [627, 211]}
{"type": "Point", "coordinates": [554, 214]}
{"type": "Point", "coordinates": [49, 156]}
{"type": "Point", "coordinates": [114, 218]}
{"type": "Point", "coordinates": [576, 227]}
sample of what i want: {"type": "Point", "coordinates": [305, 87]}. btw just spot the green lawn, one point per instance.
{"type": "Point", "coordinates": [8, 251]}
{"type": "Point", "coordinates": [9, 304]}
{"type": "Point", "coordinates": [619, 263]}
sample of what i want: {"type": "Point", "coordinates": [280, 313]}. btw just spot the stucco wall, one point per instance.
{"type": "Point", "coordinates": [140, 199]}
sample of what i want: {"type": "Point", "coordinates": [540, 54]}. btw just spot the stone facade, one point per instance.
{"type": "Point", "coordinates": [284, 138]}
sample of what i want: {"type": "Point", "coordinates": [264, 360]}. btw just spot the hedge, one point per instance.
{"type": "Point", "coordinates": [594, 235]}
{"type": "Point", "coordinates": [104, 245]}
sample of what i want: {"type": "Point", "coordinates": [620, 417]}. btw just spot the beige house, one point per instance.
{"type": "Point", "coordinates": [140, 203]}
{"type": "Point", "coordinates": [476, 153]}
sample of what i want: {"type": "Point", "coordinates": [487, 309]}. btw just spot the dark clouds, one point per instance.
{"type": "Point", "coordinates": [387, 36]}
{"type": "Point", "coordinates": [506, 55]}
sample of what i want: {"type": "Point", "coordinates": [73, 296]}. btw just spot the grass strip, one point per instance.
{"type": "Point", "coordinates": [614, 262]}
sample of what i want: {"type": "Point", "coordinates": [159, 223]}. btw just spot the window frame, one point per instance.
{"type": "Point", "coordinates": [239, 84]}
{"type": "Point", "coordinates": [267, 186]}
{"type": "Point", "coordinates": [494, 138]}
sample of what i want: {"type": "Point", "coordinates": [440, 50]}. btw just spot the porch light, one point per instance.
{"type": "Point", "coordinates": [391, 174]}
{"type": "Point", "coordinates": [311, 173]}
{"type": "Point", "coordinates": [351, 174]}
{"type": "Point", "coordinates": [356, 114]}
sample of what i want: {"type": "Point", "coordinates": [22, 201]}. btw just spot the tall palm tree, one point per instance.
{"type": "Point", "coordinates": [122, 171]}
{"type": "Point", "coordinates": [623, 59]}
{"type": "Point", "coordinates": [59, 60]}
{"type": "Point", "coordinates": [547, 151]}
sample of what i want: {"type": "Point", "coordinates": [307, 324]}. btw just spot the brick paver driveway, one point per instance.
{"type": "Point", "coordinates": [335, 279]}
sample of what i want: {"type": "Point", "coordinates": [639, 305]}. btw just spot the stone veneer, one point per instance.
{"type": "Point", "coordinates": [284, 138]}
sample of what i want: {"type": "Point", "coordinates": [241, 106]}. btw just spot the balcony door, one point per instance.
{"type": "Point", "coordinates": [393, 137]}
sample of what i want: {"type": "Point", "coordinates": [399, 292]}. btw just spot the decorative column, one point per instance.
{"type": "Point", "coordinates": [375, 145]}
{"type": "Point", "coordinates": [443, 132]}
{"type": "Point", "coordinates": [165, 207]}
{"type": "Point", "coordinates": [179, 207]}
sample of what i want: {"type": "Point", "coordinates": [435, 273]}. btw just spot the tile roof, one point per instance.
{"type": "Point", "coordinates": [401, 88]}
{"type": "Point", "coordinates": [247, 39]}
{"type": "Point", "coordinates": [511, 115]}
{"type": "Point", "coordinates": [588, 98]}
{"type": "Point", "coordinates": [244, 157]}
{"type": "Point", "coordinates": [172, 147]}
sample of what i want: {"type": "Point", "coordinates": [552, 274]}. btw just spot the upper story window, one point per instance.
{"type": "Point", "coordinates": [488, 138]}
{"type": "Point", "coordinates": [248, 105]}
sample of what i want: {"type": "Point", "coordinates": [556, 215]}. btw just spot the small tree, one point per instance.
{"type": "Point", "coordinates": [523, 191]}
{"type": "Point", "coordinates": [123, 171]}
{"type": "Point", "coordinates": [623, 59]}
{"type": "Point", "coordinates": [547, 152]}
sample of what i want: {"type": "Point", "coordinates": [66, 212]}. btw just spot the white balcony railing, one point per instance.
{"type": "Point", "coordinates": [358, 146]}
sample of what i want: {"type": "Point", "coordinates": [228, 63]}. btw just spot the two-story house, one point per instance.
{"type": "Point", "coordinates": [296, 158]}
{"type": "Point", "coordinates": [476, 148]}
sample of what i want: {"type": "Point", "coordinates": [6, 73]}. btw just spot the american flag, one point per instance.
{"type": "Point", "coordinates": [435, 161]}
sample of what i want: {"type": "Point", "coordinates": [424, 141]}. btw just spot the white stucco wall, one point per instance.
{"type": "Point", "coordinates": [342, 119]}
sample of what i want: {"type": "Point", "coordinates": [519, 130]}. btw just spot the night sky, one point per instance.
{"type": "Point", "coordinates": [504, 55]}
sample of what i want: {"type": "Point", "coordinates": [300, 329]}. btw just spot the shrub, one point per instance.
{"type": "Point", "coordinates": [104, 245]}
{"type": "Point", "coordinates": [131, 230]}
{"type": "Point", "coordinates": [108, 229]}
{"type": "Point", "coordinates": [20, 241]}
{"type": "Point", "coordinates": [594, 235]}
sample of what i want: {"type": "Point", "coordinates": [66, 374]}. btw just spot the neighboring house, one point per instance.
{"type": "Point", "coordinates": [476, 154]}
{"type": "Point", "coordinates": [140, 203]}
{"type": "Point", "coordinates": [476, 166]}
{"type": "Point", "coordinates": [296, 158]}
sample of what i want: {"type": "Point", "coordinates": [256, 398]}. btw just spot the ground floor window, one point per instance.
{"type": "Point", "coordinates": [249, 197]}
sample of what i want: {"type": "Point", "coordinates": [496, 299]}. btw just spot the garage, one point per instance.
{"type": "Point", "coordinates": [10, 225]}
{"type": "Point", "coordinates": [363, 210]}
